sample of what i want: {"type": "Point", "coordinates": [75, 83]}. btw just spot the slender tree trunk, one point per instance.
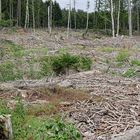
{"type": "Point", "coordinates": [27, 15]}
{"type": "Point", "coordinates": [19, 13]}
{"type": "Point", "coordinates": [138, 20]}
{"type": "Point", "coordinates": [87, 21]}
{"type": "Point", "coordinates": [69, 17]}
{"type": "Point", "coordinates": [112, 18]}
{"type": "Point", "coordinates": [130, 18]}
{"type": "Point", "coordinates": [49, 28]}
{"type": "Point", "coordinates": [11, 12]}
{"type": "Point", "coordinates": [50, 17]}
{"type": "Point", "coordinates": [33, 14]}
{"type": "Point", "coordinates": [118, 19]}
{"type": "Point", "coordinates": [0, 11]}
{"type": "Point", "coordinates": [75, 20]}
{"type": "Point", "coordinates": [38, 14]}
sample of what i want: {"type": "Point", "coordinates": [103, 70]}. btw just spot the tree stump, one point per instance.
{"type": "Point", "coordinates": [5, 127]}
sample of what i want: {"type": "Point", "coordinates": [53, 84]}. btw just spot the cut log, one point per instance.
{"type": "Point", "coordinates": [5, 127]}
{"type": "Point", "coordinates": [133, 134]}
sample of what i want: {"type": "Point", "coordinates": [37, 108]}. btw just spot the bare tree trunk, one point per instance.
{"type": "Point", "coordinates": [75, 20]}
{"type": "Point", "coordinates": [130, 18]}
{"type": "Point", "coordinates": [33, 13]}
{"type": "Point", "coordinates": [112, 18]}
{"type": "Point", "coordinates": [27, 15]}
{"type": "Point", "coordinates": [118, 19]}
{"type": "Point", "coordinates": [138, 20]}
{"type": "Point", "coordinates": [49, 28]}
{"type": "Point", "coordinates": [87, 22]}
{"type": "Point", "coordinates": [69, 17]}
{"type": "Point", "coordinates": [38, 14]}
{"type": "Point", "coordinates": [50, 17]}
{"type": "Point", "coordinates": [0, 11]}
{"type": "Point", "coordinates": [19, 13]}
{"type": "Point", "coordinates": [11, 12]}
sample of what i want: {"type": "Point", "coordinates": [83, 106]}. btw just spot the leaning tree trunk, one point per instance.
{"type": "Point", "coordinates": [130, 18]}
{"type": "Point", "coordinates": [112, 18]}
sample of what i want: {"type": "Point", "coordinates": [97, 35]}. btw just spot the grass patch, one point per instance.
{"type": "Point", "coordinates": [107, 49]}
{"type": "Point", "coordinates": [123, 56]}
{"type": "Point", "coordinates": [130, 73]}
{"type": "Point", "coordinates": [9, 72]}
{"type": "Point", "coordinates": [135, 62]}
{"type": "Point", "coordinates": [10, 49]}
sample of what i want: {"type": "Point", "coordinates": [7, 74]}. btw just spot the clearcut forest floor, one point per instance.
{"type": "Point", "coordinates": [102, 102]}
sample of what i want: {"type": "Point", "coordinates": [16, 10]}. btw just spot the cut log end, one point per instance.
{"type": "Point", "coordinates": [5, 127]}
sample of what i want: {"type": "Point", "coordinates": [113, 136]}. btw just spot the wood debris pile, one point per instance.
{"type": "Point", "coordinates": [100, 118]}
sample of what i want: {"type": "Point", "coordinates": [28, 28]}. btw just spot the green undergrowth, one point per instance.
{"type": "Point", "coordinates": [123, 56]}
{"type": "Point", "coordinates": [29, 127]}
{"type": "Point", "coordinates": [135, 62]}
{"type": "Point", "coordinates": [11, 50]}
{"type": "Point", "coordinates": [62, 63]}
{"type": "Point", "coordinates": [130, 73]}
{"type": "Point", "coordinates": [35, 63]}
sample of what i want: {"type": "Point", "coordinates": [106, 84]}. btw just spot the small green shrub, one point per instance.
{"type": "Point", "coordinates": [62, 63]}
{"type": "Point", "coordinates": [129, 73]}
{"type": "Point", "coordinates": [135, 62]}
{"type": "Point", "coordinates": [123, 56]}
{"type": "Point", "coordinates": [5, 23]}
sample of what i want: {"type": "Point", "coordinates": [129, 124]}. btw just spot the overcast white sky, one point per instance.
{"type": "Point", "coordinates": [80, 4]}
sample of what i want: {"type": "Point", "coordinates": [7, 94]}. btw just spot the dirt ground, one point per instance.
{"type": "Point", "coordinates": [101, 102]}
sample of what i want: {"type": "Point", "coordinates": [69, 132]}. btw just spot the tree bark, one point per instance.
{"type": "Point", "coordinates": [0, 11]}
{"type": "Point", "coordinates": [33, 14]}
{"type": "Point", "coordinates": [130, 18]}
{"type": "Point", "coordinates": [138, 20]}
{"type": "Point", "coordinates": [19, 13]}
{"type": "Point", "coordinates": [11, 12]}
{"type": "Point", "coordinates": [118, 19]}
{"type": "Point", "coordinates": [75, 20]}
{"type": "Point", "coordinates": [5, 127]}
{"type": "Point", "coordinates": [112, 18]}
{"type": "Point", "coordinates": [27, 15]}
{"type": "Point", "coordinates": [69, 17]}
